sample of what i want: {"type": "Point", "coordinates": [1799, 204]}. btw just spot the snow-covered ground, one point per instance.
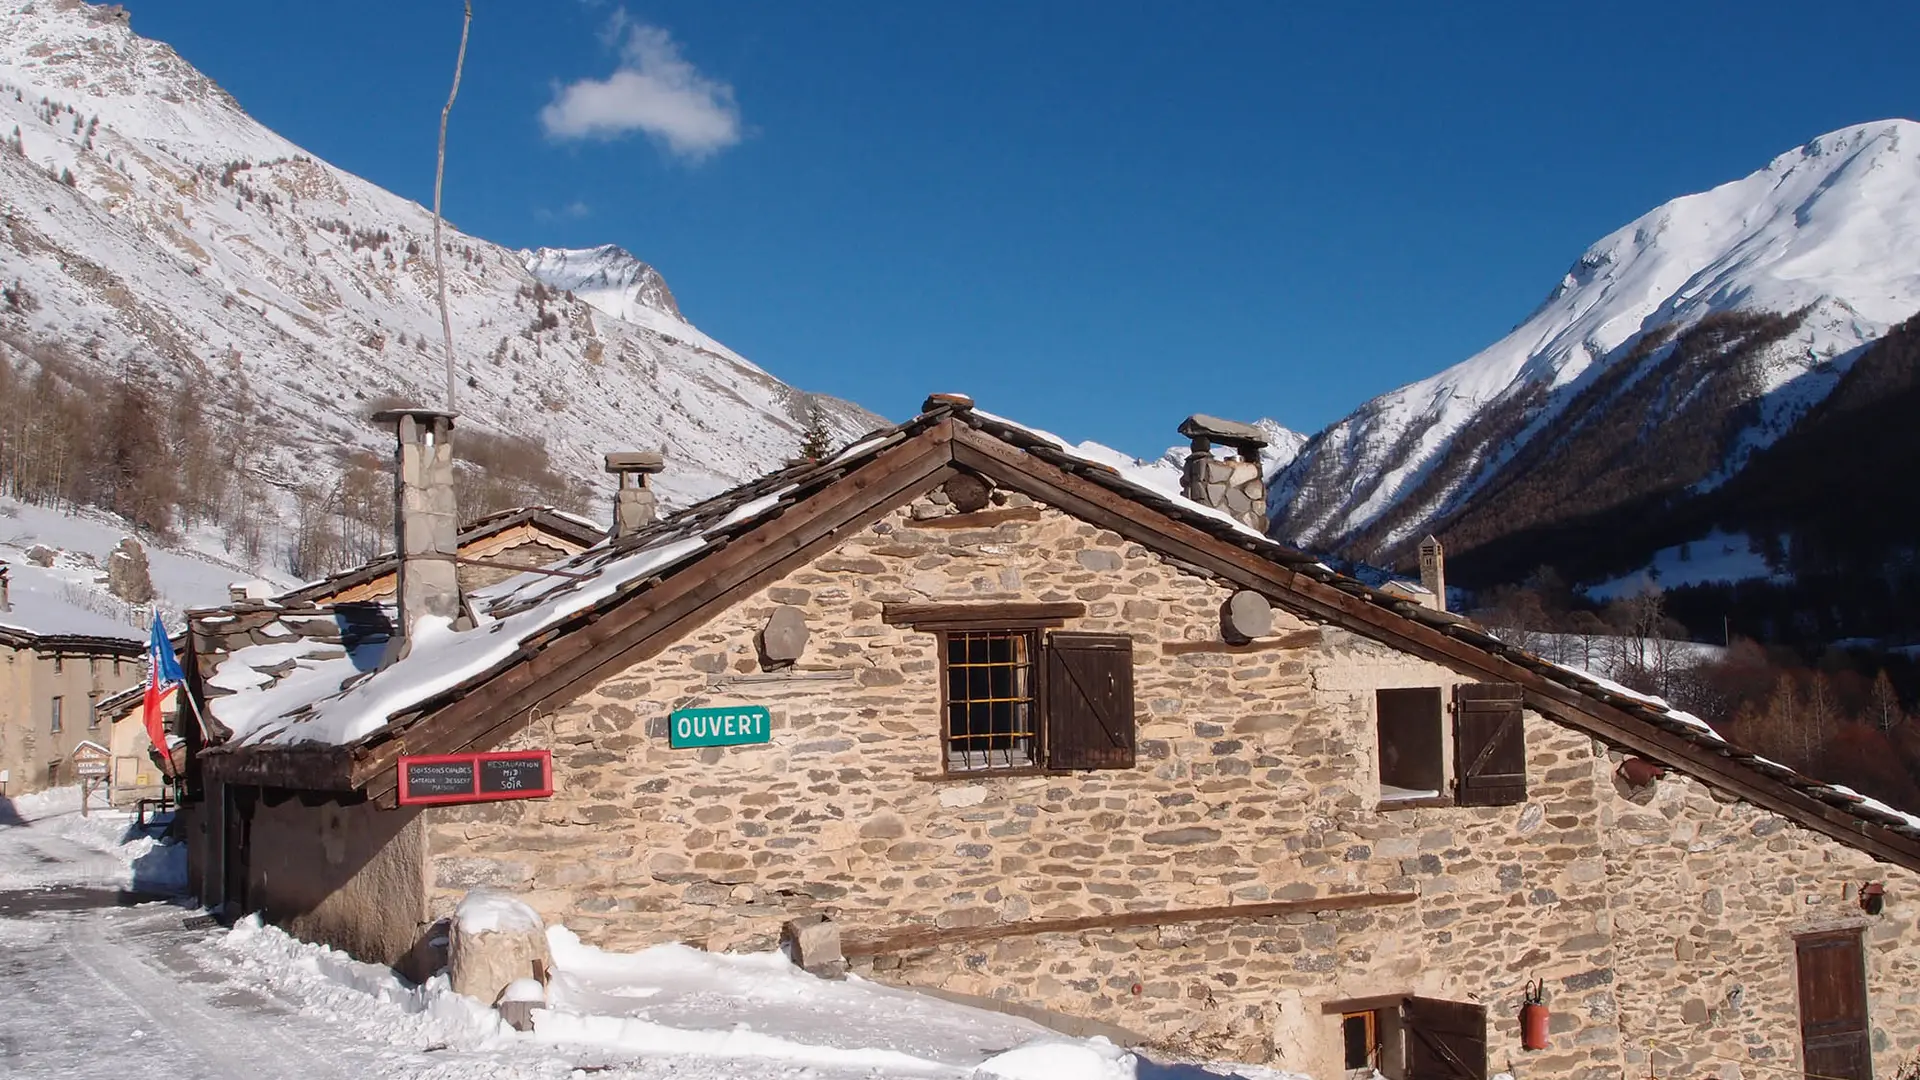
{"type": "Point", "coordinates": [71, 597]}
{"type": "Point", "coordinates": [1717, 557]}
{"type": "Point", "coordinates": [90, 989]}
{"type": "Point", "coordinates": [47, 843]}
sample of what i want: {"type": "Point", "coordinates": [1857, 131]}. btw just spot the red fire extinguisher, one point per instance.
{"type": "Point", "coordinates": [1534, 1016]}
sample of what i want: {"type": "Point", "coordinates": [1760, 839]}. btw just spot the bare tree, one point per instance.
{"type": "Point", "coordinates": [1820, 717]}
{"type": "Point", "coordinates": [1883, 704]}
{"type": "Point", "coordinates": [439, 173]}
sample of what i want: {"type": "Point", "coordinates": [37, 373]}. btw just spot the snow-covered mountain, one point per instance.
{"type": "Point", "coordinates": [149, 226]}
{"type": "Point", "coordinates": [1827, 235]}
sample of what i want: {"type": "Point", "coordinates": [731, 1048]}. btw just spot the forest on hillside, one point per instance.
{"type": "Point", "coordinates": [1844, 715]}
{"type": "Point", "coordinates": [174, 456]}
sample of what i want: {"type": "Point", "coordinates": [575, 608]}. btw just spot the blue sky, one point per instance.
{"type": "Point", "coordinates": [1095, 217]}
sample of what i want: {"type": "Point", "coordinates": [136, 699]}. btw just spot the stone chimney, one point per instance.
{"type": "Point", "coordinates": [1238, 486]}
{"type": "Point", "coordinates": [1433, 570]}
{"type": "Point", "coordinates": [424, 517]}
{"type": "Point", "coordinates": [6, 602]}
{"type": "Point", "coordinates": [634, 507]}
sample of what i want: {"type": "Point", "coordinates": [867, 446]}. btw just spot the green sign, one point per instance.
{"type": "Point", "coordinates": [719, 727]}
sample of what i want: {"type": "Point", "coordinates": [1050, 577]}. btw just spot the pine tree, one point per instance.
{"type": "Point", "coordinates": [816, 442]}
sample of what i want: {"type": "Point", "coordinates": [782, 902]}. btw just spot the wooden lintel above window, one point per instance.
{"type": "Point", "coordinates": [995, 615]}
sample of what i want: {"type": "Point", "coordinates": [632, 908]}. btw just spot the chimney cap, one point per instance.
{"type": "Point", "coordinates": [418, 412]}
{"type": "Point", "coordinates": [1231, 432]}
{"type": "Point", "coordinates": [640, 461]}
{"type": "Point", "coordinates": [956, 402]}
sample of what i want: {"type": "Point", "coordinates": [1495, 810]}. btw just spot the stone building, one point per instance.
{"type": "Point", "coordinates": [1033, 732]}
{"type": "Point", "coordinates": [497, 542]}
{"type": "Point", "coordinates": [51, 682]}
{"type": "Point", "coordinates": [135, 772]}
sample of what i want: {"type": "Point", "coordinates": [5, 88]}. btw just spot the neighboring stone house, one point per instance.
{"type": "Point", "coordinates": [1034, 732]}
{"type": "Point", "coordinates": [137, 772]}
{"type": "Point", "coordinates": [497, 542]}
{"type": "Point", "coordinates": [51, 682]}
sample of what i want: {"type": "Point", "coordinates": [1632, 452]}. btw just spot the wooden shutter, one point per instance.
{"type": "Point", "coordinates": [1088, 701]}
{"type": "Point", "coordinates": [1446, 1040]}
{"type": "Point", "coordinates": [1834, 1038]}
{"type": "Point", "coordinates": [1489, 745]}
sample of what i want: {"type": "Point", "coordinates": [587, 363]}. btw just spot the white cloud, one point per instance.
{"type": "Point", "coordinates": [573, 211]}
{"type": "Point", "coordinates": [654, 89]}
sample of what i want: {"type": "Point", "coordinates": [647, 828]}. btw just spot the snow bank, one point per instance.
{"type": "Point", "coordinates": [137, 860]}
{"type": "Point", "coordinates": [1092, 1059]}
{"type": "Point", "coordinates": [368, 1000]}
{"type": "Point", "coordinates": [484, 912]}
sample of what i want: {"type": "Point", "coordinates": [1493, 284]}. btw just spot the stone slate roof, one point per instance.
{"type": "Point", "coordinates": [525, 616]}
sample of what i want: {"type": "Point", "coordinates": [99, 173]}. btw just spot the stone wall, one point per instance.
{"type": "Point", "coordinates": [1257, 781]}
{"type": "Point", "coordinates": [1708, 895]}
{"type": "Point", "coordinates": [347, 876]}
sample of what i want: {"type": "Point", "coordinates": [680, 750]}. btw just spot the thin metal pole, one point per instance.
{"type": "Point", "coordinates": [439, 173]}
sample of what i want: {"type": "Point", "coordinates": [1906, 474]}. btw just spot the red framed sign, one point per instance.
{"type": "Point", "coordinates": [467, 778]}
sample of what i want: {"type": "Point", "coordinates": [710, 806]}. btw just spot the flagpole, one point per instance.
{"type": "Point", "coordinates": [198, 717]}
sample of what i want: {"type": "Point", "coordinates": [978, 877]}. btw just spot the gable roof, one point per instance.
{"type": "Point", "coordinates": [573, 531]}
{"type": "Point", "coordinates": [542, 640]}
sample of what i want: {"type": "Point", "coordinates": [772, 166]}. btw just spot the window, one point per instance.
{"type": "Point", "coordinates": [1412, 764]}
{"type": "Point", "coordinates": [54, 724]}
{"type": "Point", "coordinates": [1489, 766]}
{"type": "Point", "coordinates": [59, 664]}
{"type": "Point", "coordinates": [1016, 699]}
{"type": "Point", "coordinates": [1409, 1038]}
{"type": "Point", "coordinates": [1360, 1034]}
{"type": "Point", "coordinates": [990, 706]}
{"type": "Point", "coordinates": [93, 710]}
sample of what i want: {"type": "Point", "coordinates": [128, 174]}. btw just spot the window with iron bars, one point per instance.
{"type": "Point", "coordinates": [992, 722]}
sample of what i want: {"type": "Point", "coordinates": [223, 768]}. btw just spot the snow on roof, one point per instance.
{"type": "Point", "coordinates": [1657, 704]}
{"type": "Point", "coordinates": [332, 703]}
{"type": "Point", "coordinates": [1141, 477]}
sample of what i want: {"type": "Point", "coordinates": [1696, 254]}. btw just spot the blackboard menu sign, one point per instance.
{"type": "Point", "coordinates": [464, 778]}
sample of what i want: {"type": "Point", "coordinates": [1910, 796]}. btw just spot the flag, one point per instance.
{"type": "Point", "coordinates": [163, 677]}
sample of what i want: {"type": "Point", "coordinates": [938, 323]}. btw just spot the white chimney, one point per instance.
{"type": "Point", "coordinates": [426, 523]}
{"type": "Point", "coordinates": [6, 602]}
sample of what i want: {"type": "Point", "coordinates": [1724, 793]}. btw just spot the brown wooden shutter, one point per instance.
{"type": "Point", "coordinates": [1088, 701]}
{"type": "Point", "coordinates": [1446, 1040]}
{"type": "Point", "coordinates": [1834, 1038]}
{"type": "Point", "coordinates": [1489, 745]}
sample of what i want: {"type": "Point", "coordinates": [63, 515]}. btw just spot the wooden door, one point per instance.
{"type": "Point", "coordinates": [236, 844]}
{"type": "Point", "coordinates": [1834, 1040]}
{"type": "Point", "coordinates": [1446, 1040]}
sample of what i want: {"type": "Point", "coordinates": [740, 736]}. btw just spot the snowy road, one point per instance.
{"type": "Point", "coordinates": [92, 989]}
{"type": "Point", "coordinates": [98, 982]}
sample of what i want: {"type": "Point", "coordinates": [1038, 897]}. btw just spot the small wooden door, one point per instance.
{"type": "Point", "coordinates": [1446, 1040]}
{"type": "Point", "coordinates": [236, 847]}
{"type": "Point", "coordinates": [1834, 1039]}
